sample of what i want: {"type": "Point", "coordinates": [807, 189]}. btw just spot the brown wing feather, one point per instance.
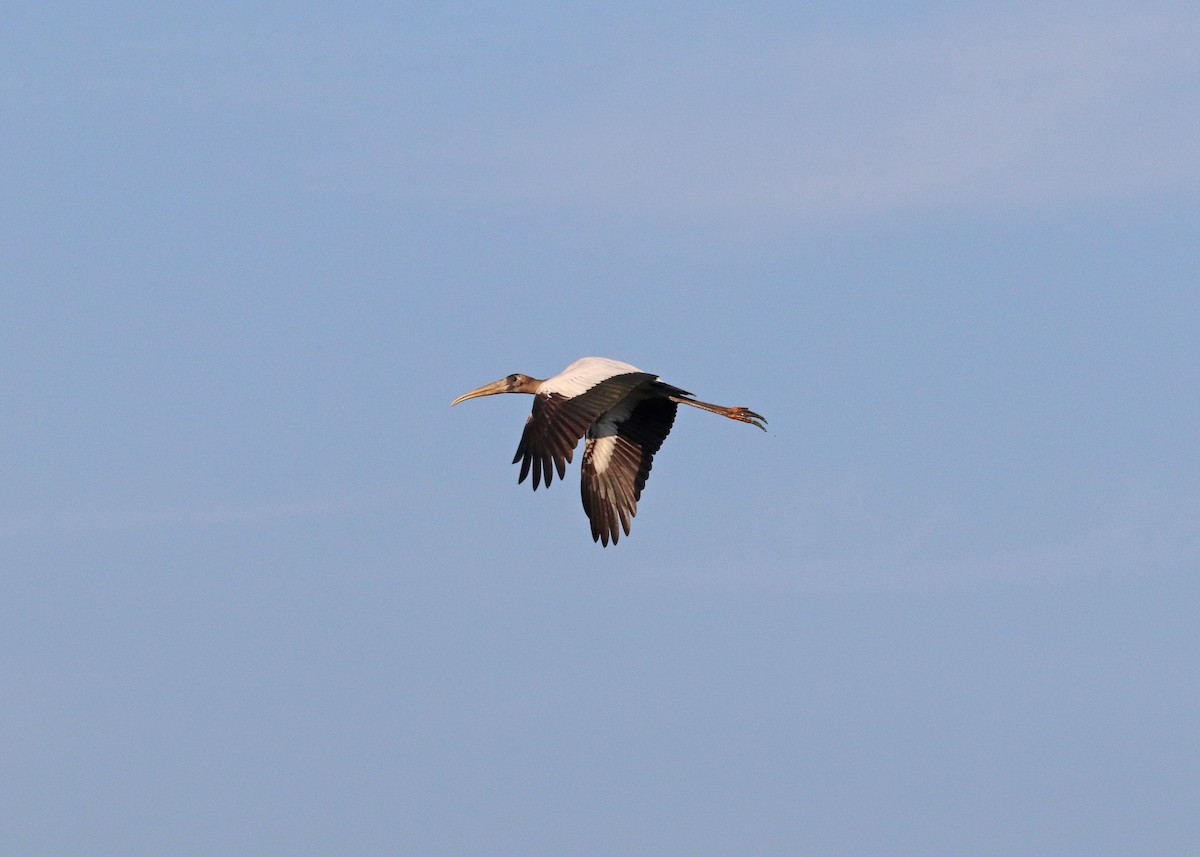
{"type": "Point", "coordinates": [557, 423]}
{"type": "Point", "coordinates": [610, 495]}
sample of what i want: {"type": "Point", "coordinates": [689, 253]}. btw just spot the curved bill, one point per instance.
{"type": "Point", "coordinates": [491, 389]}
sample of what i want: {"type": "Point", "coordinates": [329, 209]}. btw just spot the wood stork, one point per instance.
{"type": "Point", "coordinates": [625, 414]}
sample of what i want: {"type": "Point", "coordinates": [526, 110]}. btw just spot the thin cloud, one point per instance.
{"type": "Point", "coordinates": [1041, 110]}
{"type": "Point", "coordinates": [1144, 534]}
{"type": "Point", "coordinates": [93, 519]}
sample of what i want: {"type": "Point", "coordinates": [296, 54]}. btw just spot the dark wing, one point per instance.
{"type": "Point", "coordinates": [615, 467]}
{"type": "Point", "coordinates": [557, 423]}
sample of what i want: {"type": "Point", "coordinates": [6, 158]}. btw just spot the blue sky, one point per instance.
{"type": "Point", "coordinates": [265, 592]}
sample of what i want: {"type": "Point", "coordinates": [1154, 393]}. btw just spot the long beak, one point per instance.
{"type": "Point", "coordinates": [491, 389]}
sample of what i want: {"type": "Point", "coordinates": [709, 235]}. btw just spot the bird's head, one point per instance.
{"type": "Point", "coordinates": [515, 383]}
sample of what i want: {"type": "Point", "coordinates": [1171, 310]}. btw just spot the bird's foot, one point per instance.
{"type": "Point", "coordinates": [745, 415]}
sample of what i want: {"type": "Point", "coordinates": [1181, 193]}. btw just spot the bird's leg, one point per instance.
{"type": "Point", "coordinates": [742, 415]}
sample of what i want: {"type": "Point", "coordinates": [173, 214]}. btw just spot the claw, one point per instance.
{"type": "Point", "coordinates": [746, 415]}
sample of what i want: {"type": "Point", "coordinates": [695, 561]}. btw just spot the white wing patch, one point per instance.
{"type": "Point", "coordinates": [602, 451]}
{"type": "Point", "coordinates": [584, 374]}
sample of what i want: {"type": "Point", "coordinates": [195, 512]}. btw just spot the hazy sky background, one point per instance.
{"type": "Point", "coordinates": [264, 592]}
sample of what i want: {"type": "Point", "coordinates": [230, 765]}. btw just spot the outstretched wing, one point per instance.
{"type": "Point", "coordinates": [616, 464]}
{"type": "Point", "coordinates": [558, 422]}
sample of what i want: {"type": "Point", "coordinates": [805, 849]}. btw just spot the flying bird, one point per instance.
{"type": "Point", "coordinates": [625, 414]}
